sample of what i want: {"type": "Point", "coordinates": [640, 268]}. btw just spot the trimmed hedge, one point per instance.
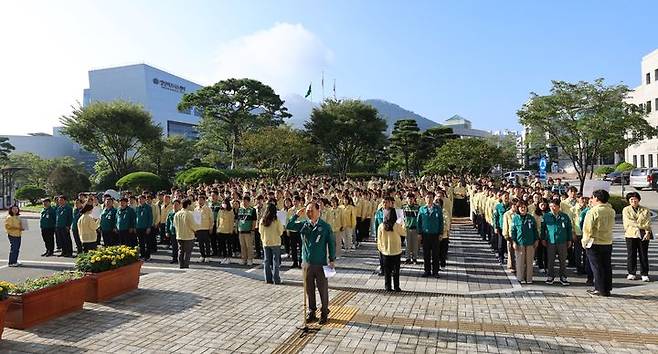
{"type": "Point", "coordinates": [603, 170]}
{"type": "Point", "coordinates": [624, 166]}
{"type": "Point", "coordinates": [618, 203]}
{"type": "Point", "coordinates": [31, 193]}
{"type": "Point", "coordinates": [141, 181]}
{"type": "Point", "coordinates": [198, 175]}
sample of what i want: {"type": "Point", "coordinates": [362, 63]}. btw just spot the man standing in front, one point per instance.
{"type": "Point", "coordinates": [47, 224]}
{"type": "Point", "coordinates": [430, 227]}
{"type": "Point", "coordinates": [597, 240]}
{"type": "Point", "coordinates": [317, 237]}
{"type": "Point", "coordinates": [63, 221]}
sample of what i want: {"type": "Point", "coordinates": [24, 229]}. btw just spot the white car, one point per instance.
{"type": "Point", "coordinates": [642, 178]}
{"type": "Point", "coordinates": [511, 176]}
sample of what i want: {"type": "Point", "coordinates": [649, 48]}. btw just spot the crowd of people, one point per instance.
{"type": "Point", "coordinates": [315, 220]}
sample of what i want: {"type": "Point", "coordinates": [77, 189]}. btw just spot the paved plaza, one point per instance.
{"type": "Point", "coordinates": [476, 306]}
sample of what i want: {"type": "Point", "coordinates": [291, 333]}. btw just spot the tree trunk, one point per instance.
{"type": "Point", "coordinates": [235, 139]}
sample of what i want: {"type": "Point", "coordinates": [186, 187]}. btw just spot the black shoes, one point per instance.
{"type": "Point", "coordinates": [323, 319]}
{"type": "Point", "coordinates": [397, 290]}
{"type": "Point", "coordinates": [311, 317]}
{"type": "Point", "coordinates": [173, 261]}
{"type": "Point", "coordinates": [425, 275]}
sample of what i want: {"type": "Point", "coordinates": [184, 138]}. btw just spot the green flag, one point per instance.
{"type": "Point", "coordinates": [308, 93]}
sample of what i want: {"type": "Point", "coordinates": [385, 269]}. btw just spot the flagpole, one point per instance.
{"type": "Point", "coordinates": [334, 89]}
{"type": "Point", "coordinates": [323, 85]}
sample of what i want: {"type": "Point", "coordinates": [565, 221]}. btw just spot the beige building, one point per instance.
{"type": "Point", "coordinates": [645, 154]}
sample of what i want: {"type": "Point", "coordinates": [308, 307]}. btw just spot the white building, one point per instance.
{"type": "Point", "coordinates": [464, 128]}
{"type": "Point", "coordinates": [48, 146]}
{"type": "Point", "coordinates": [158, 91]}
{"type": "Point", "coordinates": [645, 154]}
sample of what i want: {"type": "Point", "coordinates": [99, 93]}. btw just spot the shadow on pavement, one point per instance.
{"type": "Point", "coordinates": [11, 346]}
{"type": "Point", "coordinates": [155, 302]}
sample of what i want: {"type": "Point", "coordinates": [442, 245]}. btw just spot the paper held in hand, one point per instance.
{"type": "Point", "coordinates": [400, 215]}
{"type": "Point", "coordinates": [197, 216]}
{"type": "Point", "coordinates": [96, 212]}
{"type": "Point", "coordinates": [590, 186]}
{"type": "Point", "coordinates": [282, 216]}
{"type": "Point", "coordinates": [24, 224]}
{"type": "Point", "coordinates": [328, 271]}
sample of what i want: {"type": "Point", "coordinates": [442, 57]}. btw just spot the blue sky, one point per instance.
{"type": "Point", "coordinates": [479, 59]}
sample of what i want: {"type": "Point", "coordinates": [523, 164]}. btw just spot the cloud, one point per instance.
{"type": "Point", "coordinates": [287, 57]}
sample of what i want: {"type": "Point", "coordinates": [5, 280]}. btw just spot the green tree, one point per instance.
{"type": "Point", "coordinates": [67, 181]}
{"type": "Point", "coordinates": [508, 150]}
{"type": "Point", "coordinates": [405, 140]}
{"type": "Point", "coordinates": [430, 140]}
{"type": "Point", "coordinates": [5, 148]}
{"type": "Point", "coordinates": [346, 131]}
{"type": "Point", "coordinates": [283, 149]}
{"type": "Point", "coordinates": [116, 131]}
{"type": "Point", "coordinates": [463, 156]}
{"type": "Point", "coordinates": [36, 170]}
{"type": "Point", "coordinates": [31, 193]}
{"type": "Point", "coordinates": [232, 107]}
{"type": "Point", "coordinates": [586, 120]}
{"type": "Point", "coordinates": [166, 156]}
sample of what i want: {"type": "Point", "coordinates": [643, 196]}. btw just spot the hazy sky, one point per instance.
{"type": "Point", "coordinates": [479, 59]}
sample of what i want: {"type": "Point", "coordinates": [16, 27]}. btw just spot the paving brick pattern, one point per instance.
{"type": "Point", "coordinates": [474, 307]}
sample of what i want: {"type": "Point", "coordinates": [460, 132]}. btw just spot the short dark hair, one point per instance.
{"type": "Point", "coordinates": [555, 201]}
{"type": "Point", "coordinates": [86, 208]}
{"type": "Point", "coordinates": [633, 194]}
{"type": "Point", "coordinates": [186, 203]}
{"type": "Point", "coordinates": [602, 195]}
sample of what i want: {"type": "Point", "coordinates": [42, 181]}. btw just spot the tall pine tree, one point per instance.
{"type": "Point", "coordinates": [405, 140]}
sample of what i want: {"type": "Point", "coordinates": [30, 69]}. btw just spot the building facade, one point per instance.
{"type": "Point", "coordinates": [464, 128]}
{"type": "Point", "coordinates": [645, 154]}
{"type": "Point", "coordinates": [158, 91]}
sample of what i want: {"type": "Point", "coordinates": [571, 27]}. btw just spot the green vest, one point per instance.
{"type": "Point", "coordinates": [557, 228]}
{"type": "Point", "coordinates": [246, 219]}
{"type": "Point", "coordinates": [430, 223]}
{"type": "Point", "coordinates": [64, 216]}
{"type": "Point", "coordinates": [108, 219]}
{"type": "Point", "coordinates": [144, 215]}
{"type": "Point", "coordinates": [125, 219]}
{"type": "Point", "coordinates": [524, 229]}
{"type": "Point", "coordinates": [410, 216]}
{"type": "Point", "coordinates": [48, 218]}
{"type": "Point", "coordinates": [315, 240]}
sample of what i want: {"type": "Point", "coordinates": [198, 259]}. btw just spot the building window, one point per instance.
{"type": "Point", "coordinates": [648, 76]}
{"type": "Point", "coordinates": [648, 106]}
{"type": "Point", "coordinates": [642, 161]}
{"type": "Point", "coordinates": [186, 130]}
{"type": "Point", "coordinates": [635, 160]}
{"type": "Point", "coordinates": [650, 160]}
{"type": "Point", "coordinates": [655, 75]}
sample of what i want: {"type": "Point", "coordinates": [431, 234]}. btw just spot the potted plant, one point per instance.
{"type": "Point", "coordinates": [5, 287]}
{"type": "Point", "coordinates": [111, 271]}
{"type": "Point", "coordinates": [38, 300]}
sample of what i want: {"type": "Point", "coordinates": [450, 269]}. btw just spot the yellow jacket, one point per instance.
{"type": "Point", "coordinates": [87, 228]}
{"type": "Point", "coordinates": [634, 221]}
{"type": "Point", "coordinates": [348, 216]}
{"type": "Point", "coordinates": [507, 224]}
{"type": "Point", "coordinates": [206, 217]}
{"type": "Point", "coordinates": [389, 242]}
{"type": "Point", "coordinates": [13, 226]}
{"type": "Point", "coordinates": [358, 207]}
{"type": "Point", "coordinates": [225, 222]}
{"type": "Point", "coordinates": [597, 226]}
{"type": "Point", "coordinates": [271, 235]}
{"type": "Point", "coordinates": [333, 218]}
{"type": "Point", "coordinates": [447, 222]}
{"type": "Point", "coordinates": [155, 211]}
{"type": "Point", "coordinates": [185, 225]}
{"type": "Point", "coordinates": [164, 212]}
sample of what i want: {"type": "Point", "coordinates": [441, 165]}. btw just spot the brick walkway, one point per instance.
{"type": "Point", "coordinates": [474, 307]}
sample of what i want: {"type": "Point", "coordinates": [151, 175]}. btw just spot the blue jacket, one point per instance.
{"type": "Point", "coordinates": [430, 223]}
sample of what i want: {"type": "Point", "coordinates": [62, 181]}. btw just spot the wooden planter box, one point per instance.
{"type": "Point", "coordinates": [30, 309]}
{"type": "Point", "coordinates": [106, 285]}
{"type": "Point", "coordinates": [4, 304]}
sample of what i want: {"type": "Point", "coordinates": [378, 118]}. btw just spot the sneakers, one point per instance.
{"type": "Point", "coordinates": [250, 262]}
{"type": "Point", "coordinates": [550, 281]}
{"type": "Point", "coordinates": [564, 281]}
{"type": "Point", "coordinates": [17, 264]}
{"type": "Point", "coordinates": [202, 260]}
{"type": "Point", "coordinates": [645, 278]}
{"type": "Point", "coordinates": [631, 277]}
{"type": "Point", "coordinates": [522, 281]}
{"type": "Point", "coordinates": [529, 282]}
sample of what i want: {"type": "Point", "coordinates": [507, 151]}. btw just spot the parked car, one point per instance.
{"type": "Point", "coordinates": [524, 174]}
{"type": "Point", "coordinates": [616, 177]}
{"type": "Point", "coordinates": [642, 177]}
